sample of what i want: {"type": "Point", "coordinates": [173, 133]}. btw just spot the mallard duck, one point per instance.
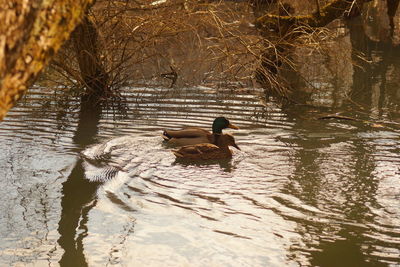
{"type": "Point", "coordinates": [208, 151]}
{"type": "Point", "coordinates": [195, 135]}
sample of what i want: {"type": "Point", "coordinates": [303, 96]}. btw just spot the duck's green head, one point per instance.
{"type": "Point", "coordinates": [221, 123]}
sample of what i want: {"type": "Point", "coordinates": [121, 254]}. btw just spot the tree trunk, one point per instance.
{"type": "Point", "coordinates": [86, 47]}
{"type": "Point", "coordinates": [31, 32]}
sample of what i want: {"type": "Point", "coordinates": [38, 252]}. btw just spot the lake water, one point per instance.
{"type": "Point", "coordinates": [82, 188]}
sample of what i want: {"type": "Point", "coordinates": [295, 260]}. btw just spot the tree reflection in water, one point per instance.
{"type": "Point", "coordinates": [339, 174]}
{"type": "Point", "coordinates": [78, 193]}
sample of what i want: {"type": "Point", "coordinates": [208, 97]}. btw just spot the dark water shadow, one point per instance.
{"type": "Point", "coordinates": [78, 193]}
{"type": "Point", "coordinates": [347, 253]}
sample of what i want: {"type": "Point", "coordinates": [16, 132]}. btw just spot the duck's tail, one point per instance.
{"type": "Point", "coordinates": [177, 154]}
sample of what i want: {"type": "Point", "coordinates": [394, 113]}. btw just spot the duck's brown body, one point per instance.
{"type": "Point", "coordinates": [208, 151]}
{"type": "Point", "coordinates": [203, 151]}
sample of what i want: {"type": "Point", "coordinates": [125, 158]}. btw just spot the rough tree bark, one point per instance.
{"type": "Point", "coordinates": [392, 6]}
{"type": "Point", "coordinates": [92, 71]}
{"type": "Point", "coordinates": [31, 32]}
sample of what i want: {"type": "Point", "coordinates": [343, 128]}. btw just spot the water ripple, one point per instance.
{"type": "Point", "coordinates": [297, 190]}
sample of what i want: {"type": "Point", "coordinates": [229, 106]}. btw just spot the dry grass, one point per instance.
{"type": "Point", "coordinates": [213, 43]}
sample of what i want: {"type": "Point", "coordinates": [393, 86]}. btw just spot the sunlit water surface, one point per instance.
{"type": "Point", "coordinates": [300, 192]}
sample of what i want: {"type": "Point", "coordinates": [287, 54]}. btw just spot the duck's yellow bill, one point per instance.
{"type": "Point", "coordinates": [232, 126]}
